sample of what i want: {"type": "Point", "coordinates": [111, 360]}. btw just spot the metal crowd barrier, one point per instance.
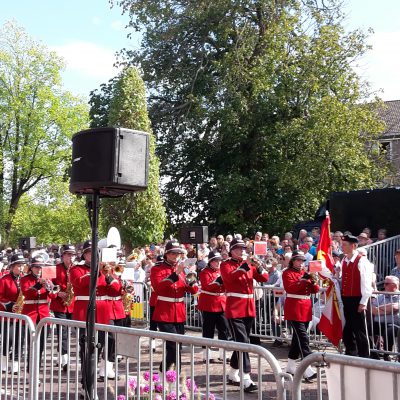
{"type": "Point", "coordinates": [383, 329]}
{"type": "Point", "coordinates": [139, 369]}
{"type": "Point", "coordinates": [17, 337]}
{"type": "Point", "coordinates": [381, 254]}
{"type": "Point", "coordinates": [140, 314]}
{"type": "Point", "coordinates": [349, 377]}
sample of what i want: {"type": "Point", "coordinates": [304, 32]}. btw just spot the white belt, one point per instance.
{"type": "Point", "coordinates": [241, 295]}
{"type": "Point", "coordinates": [171, 299]}
{"type": "Point", "coordinates": [113, 298]}
{"type": "Point", "coordinates": [82, 298]}
{"type": "Point", "coordinates": [212, 294]}
{"type": "Point", "coordinates": [298, 296]}
{"type": "Point", "coordinates": [35, 301]}
{"type": "Point", "coordinates": [87, 298]}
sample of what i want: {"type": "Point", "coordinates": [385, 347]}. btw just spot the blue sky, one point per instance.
{"type": "Point", "coordinates": [87, 33]}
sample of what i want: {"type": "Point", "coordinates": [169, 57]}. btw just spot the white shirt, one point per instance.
{"type": "Point", "coordinates": [366, 269]}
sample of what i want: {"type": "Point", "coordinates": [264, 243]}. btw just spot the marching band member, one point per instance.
{"type": "Point", "coordinates": [80, 279]}
{"type": "Point", "coordinates": [38, 292]}
{"type": "Point", "coordinates": [237, 275]}
{"type": "Point", "coordinates": [63, 305]}
{"type": "Point", "coordinates": [299, 286]}
{"type": "Point", "coordinates": [116, 317]}
{"type": "Point", "coordinates": [169, 283]}
{"type": "Point", "coordinates": [79, 276]}
{"type": "Point", "coordinates": [10, 290]}
{"type": "Point", "coordinates": [212, 301]}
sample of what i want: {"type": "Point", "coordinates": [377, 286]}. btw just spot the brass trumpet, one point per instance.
{"type": "Point", "coordinates": [119, 269]}
{"type": "Point", "coordinates": [191, 277]}
{"type": "Point", "coordinates": [255, 260]}
{"type": "Point", "coordinates": [312, 276]}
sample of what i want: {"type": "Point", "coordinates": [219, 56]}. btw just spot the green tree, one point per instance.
{"type": "Point", "coordinates": [37, 118]}
{"type": "Point", "coordinates": [140, 217]}
{"type": "Point", "coordinates": [256, 108]}
{"type": "Point", "coordinates": [52, 215]}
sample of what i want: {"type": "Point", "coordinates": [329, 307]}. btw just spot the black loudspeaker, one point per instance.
{"type": "Point", "coordinates": [194, 234]}
{"type": "Point", "coordinates": [112, 161]}
{"type": "Point", "coordinates": [27, 243]}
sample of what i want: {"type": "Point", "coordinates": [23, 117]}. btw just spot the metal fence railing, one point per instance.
{"type": "Point", "coordinates": [381, 254]}
{"type": "Point", "coordinates": [17, 334]}
{"type": "Point", "coordinates": [139, 372]}
{"type": "Point", "coordinates": [349, 377]}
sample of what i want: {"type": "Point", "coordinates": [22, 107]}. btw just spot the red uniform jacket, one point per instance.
{"type": "Point", "coordinates": [8, 292]}
{"type": "Point", "coordinates": [116, 307]}
{"type": "Point", "coordinates": [239, 288]}
{"type": "Point", "coordinates": [170, 290]}
{"type": "Point", "coordinates": [212, 295]}
{"type": "Point", "coordinates": [298, 309]}
{"type": "Point", "coordinates": [351, 279]}
{"type": "Point", "coordinates": [80, 279]}
{"type": "Point", "coordinates": [61, 279]}
{"type": "Point", "coordinates": [36, 305]}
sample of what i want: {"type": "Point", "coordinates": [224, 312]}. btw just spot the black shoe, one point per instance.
{"type": "Point", "coordinates": [251, 388]}
{"type": "Point", "coordinates": [310, 379]}
{"type": "Point", "coordinates": [233, 383]}
{"type": "Point", "coordinates": [277, 343]}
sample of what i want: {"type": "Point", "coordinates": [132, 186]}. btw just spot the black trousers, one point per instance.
{"type": "Point", "coordinates": [170, 357]}
{"type": "Point", "coordinates": [355, 332]}
{"type": "Point", "coordinates": [62, 331]}
{"type": "Point", "coordinates": [241, 328]}
{"type": "Point", "coordinates": [212, 320]}
{"type": "Point", "coordinates": [300, 346]}
{"type": "Point", "coordinates": [12, 331]}
{"type": "Point", "coordinates": [153, 324]}
{"type": "Point", "coordinates": [111, 340]}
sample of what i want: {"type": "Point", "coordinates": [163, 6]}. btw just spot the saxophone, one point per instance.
{"type": "Point", "coordinates": [127, 297]}
{"type": "Point", "coordinates": [19, 304]}
{"type": "Point", "coordinates": [70, 294]}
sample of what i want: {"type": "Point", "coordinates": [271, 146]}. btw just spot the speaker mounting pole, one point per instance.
{"type": "Point", "coordinates": [90, 345]}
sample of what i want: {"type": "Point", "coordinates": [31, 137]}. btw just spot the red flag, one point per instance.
{"type": "Point", "coordinates": [324, 249]}
{"type": "Point", "coordinates": [332, 318]}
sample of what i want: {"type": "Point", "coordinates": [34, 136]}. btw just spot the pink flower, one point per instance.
{"type": "Point", "coordinates": [171, 396]}
{"type": "Point", "coordinates": [132, 383]}
{"type": "Point", "coordinates": [158, 387]}
{"type": "Point", "coordinates": [183, 396]}
{"type": "Point", "coordinates": [146, 389]}
{"type": "Point", "coordinates": [146, 376]}
{"type": "Point", "coordinates": [120, 397]}
{"type": "Point", "coordinates": [211, 396]}
{"type": "Point", "coordinates": [170, 376]}
{"type": "Point", "coordinates": [189, 385]}
{"type": "Point", "coordinates": [157, 397]}
{"type": "Point", "coordinates": [156, 377]}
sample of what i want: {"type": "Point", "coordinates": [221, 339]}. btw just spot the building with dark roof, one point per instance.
{"type": "Point", "coordinates": [390, 138]}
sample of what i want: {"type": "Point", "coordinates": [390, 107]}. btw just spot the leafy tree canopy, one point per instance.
{"type": "Point", "coordinates": [37, 118]}
{"type": "Point", "coordinates": [257, 111]}
{"type": "Point", "coordinates": [52, 215]}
